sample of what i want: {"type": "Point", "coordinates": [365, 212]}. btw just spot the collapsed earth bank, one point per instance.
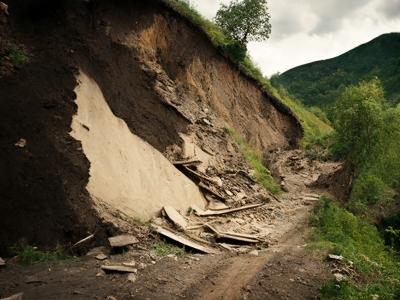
{"type": "Point", "coordinates": [160, 76]}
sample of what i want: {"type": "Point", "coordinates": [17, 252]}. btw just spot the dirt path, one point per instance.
{"type": "Point", "coordinates": [284, 270]}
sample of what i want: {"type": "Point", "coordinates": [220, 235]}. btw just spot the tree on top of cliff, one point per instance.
{"type": "Point", "coordinates": [245, 21]}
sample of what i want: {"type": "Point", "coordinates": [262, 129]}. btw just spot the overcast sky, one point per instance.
{"type": "Point", "coordinates": [308, 30]}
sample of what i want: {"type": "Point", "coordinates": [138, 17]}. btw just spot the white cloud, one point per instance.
{"type": "Point", "coordinates": [308, 30]}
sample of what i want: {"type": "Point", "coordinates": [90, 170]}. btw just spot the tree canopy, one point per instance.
{"type": "Point", "coordinates": [245, 21]}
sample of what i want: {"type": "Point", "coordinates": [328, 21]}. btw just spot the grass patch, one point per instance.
{"type": "Point", "coordinates": [165, 249]}
{"type": "Point", "coordinates": [17, 56]}
{"type": "Point", "coordinates": [260, 173]}
{"type": "Point", "coordinates": [140, 221]}
{"type": "Point", "coordinates": [337, 231]}
{"type": "Point", "coordinates": [29, 255]}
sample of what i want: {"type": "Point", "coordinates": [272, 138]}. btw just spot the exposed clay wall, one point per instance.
{"type": "Point", "coordinates": [156, 71]}
{"type": "Point", "coordinates": [126, 172]}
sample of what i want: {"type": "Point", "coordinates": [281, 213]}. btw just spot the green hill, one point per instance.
{"type": "Point", "coordinates": [320, 83]}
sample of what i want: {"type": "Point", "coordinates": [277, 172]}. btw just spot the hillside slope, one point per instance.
{"type": "Point", "coordinates": [157, 73]}
{"type": "Point", "coordinates": [320, 83]}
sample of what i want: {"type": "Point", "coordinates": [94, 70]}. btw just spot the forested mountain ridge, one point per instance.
{"type": "Point", "coordinates": [320, 83]}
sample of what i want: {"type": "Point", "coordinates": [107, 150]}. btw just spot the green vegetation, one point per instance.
{"type": "Point", "coordinates": [261, 173]}
{"type": "Point", "coordinates": [17, 56]}
{"type": "Point", "coordinates": [245, 21]}
{"type": "Point", "coordinates": [321, 83]}
{"type": "Point", "coordinates": [317, 133]}
{"type": "Point", "coordinates": [165, 249]}
{"type": "Point", "coordinates": [368, 134]}
{"type": "Point", "coordinates": [139, 221]}
{"type": "Point", "coordinates": [29, 255]}
{"type": "Point", "coordinates": [337, 231]}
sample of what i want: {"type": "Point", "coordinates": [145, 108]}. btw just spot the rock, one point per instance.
{"type": "Point", "coordinates": [228, 192]}
{"type": "Point", "coordinates": [21, 143]}
{"type": "Point", "coordinates": [123, 240]}
{"type": "Point", "coordinates": [132, 277]}
{"type": "Point", "coordinates": [375, 297]}
{"type": "Point", "coordinates": [207, 122]}
{"type": "Point", "coordinates": [335, 257]}
{"type": "Point", "coordinates": [254, 253]}
{"type": "Point", "coordinates": [2, 262]}
{"type": "Point", "coordinates": [111, 298]}
{"type": "Point", "coordinates": [142, 266]}
{"type": "Point", "coordinates": [101, 256]}
{"type": "Point", "coordinates": [339, 277]}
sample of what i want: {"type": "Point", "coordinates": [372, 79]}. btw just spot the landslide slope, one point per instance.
{"type": "Point", "coordinates": [320, 83]}
{"type": "Point", "coordinates": [158, 74]}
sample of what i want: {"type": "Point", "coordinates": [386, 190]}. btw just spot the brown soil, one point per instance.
{"type": "Point", "coordinates": [283, 271]}
{"type": "Point", "coordinates": [164, 79]}
{"type": "Point", "coordinates": [139, 53]}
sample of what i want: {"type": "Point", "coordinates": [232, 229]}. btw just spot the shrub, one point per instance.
{"type": "Point", "coordinates": [17, 56]}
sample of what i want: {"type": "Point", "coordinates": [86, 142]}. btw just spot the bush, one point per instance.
{"type": "Point", "coordinates": [17, 56]}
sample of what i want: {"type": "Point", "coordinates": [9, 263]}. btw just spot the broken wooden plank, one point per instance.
{"type": "Point", "coordinates": [212, 229]}
{"type": "Point", "coordinates": [14, 297]}
{"type": "Point", "coordinates": [84, 240]}
{"type": "Point", "coordinates": [182, 240]}
{"type": "Point", "coordinates": [216, 181]}
{"type": "Point", "coordinates": [209, 189]}
{"type": "Point", "coordinates": [202, 213]}
{"type": "Point", "coordinates": [119, 269]}
{"type": "Point", "coordinates": [189, 162]}
{"type": "Point", "coordinates": [194, 227]}
{"type": "Point", "coordinates": [226, 246]}
{"type": "Point", "coordinates": [206, 150]}
{"type": "Point", "coordinates": [122, 240]}
{"type": "Point", "coordinates": [175, 217]}
{"type": "Point", "coordinates": [241, 235]}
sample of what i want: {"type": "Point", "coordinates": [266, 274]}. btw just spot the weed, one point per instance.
{"type": "Point", "coordinates": [189, 211]}
{"type": "Point", "coordinates": [140, 221]}
{"type": "Point", "coordinates": [337, 231]}
{"type": "Point", "coordinates": [260, 173]}
{"type": "Point", "coordinates": [165, 249]}
{"type": "Point", "coordinates": [29, 255]}
{"type": "Point", "coordinates": [17, 56]}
